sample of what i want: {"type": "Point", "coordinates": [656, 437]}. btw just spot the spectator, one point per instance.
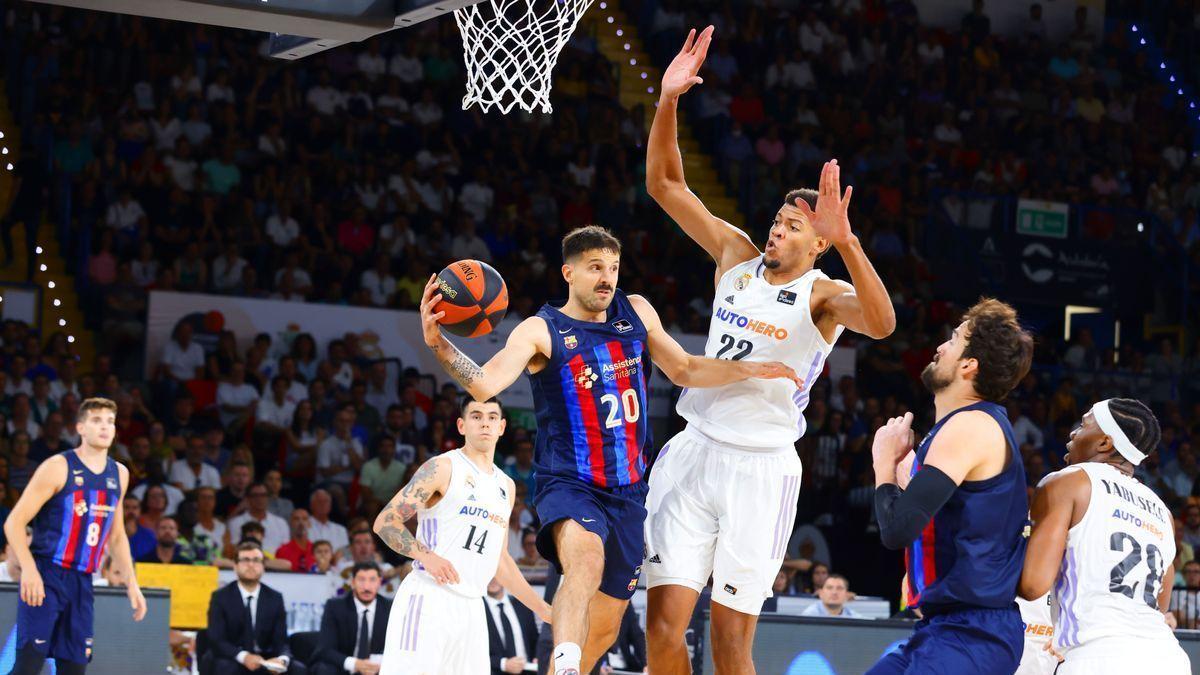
{"type": "Point", "coordinates": [320, 504]}
{"type": "Point", "coordinates": [832, 596]}
{"type": "Point", "coordinates": [50, 442]}
{"type": "Point", "coordinates": [381, 477]}
{"type": "Point", "coordinates": [142, 540]}
{"type": "Point", "coordinates": [247, 624]}
{"type": "Point", "coordinates": [533, 566]}
{"type": "Point", "coordinates": [512, 631]}
{"type": "Point", "coordinates": [340, 455]}
{"type": "Point", "coordinates": [276, 503]}
{"type": "Point", "coordinates": [182, 359]}
{"type": "Point", "coordinates": [520, 468]}
{"type": "Point", "coordinates": [354, 626]}
{"type": "Point", "coordinates": [1191, 521]}
{"type": "Point", "coordinates": [167, 550]}
{"type": "Point", "coordinates": [207, 523]}
{"type": "Point", "coordinates": [231, 499]}
{"type": "Point", "coordinates": [362, 549]}
{"type": "Point", "coordinates": [379, 282]}
{"type": "Point", "coordinates": [1185, 599]}
{"type": "Point", "coordinates": [299, 550]}
{"type": "Point", "coordinates": [227, 269]}
{"type": "Point", "coordinates": [155, 505]}
{"type": "Point", "coordinates": [236, 398]}
{"type": "Point", "coordinates": [274, 413]}
{"type": "Point", "coordinates": [275, 529]}
{"type": "Point", "coordinates": [192, 472]}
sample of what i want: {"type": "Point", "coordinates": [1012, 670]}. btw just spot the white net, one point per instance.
{"type": "Point", "coordinates": [511, 47]}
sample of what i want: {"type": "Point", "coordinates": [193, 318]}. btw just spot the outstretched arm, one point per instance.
{"type": "Point", "coordinates": [865, 306]}
{"type": "Point", "coordinates": [665, 182]}
{"type": "Point", "coordinates": [493, 377]}
{"type": "Point", "coordinates": [1051, 513]}
{"type": "Point", "coordinates": [510, 577]}
{"type": "Point", "coordinates": [431, 480]}
{"type": "Point", "coordinates": [688, 370]}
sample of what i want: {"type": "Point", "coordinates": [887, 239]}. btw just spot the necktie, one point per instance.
{"type": "Point", "coordinates": [250, 623]}
{"type": "Point", "coordinates": [364, 639]}
{"type": "Point", "coordinates": [506, 629]}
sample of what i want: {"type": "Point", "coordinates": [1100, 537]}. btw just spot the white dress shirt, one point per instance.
{"type": "Point", "coordinates": [276, 531]}
{"type": "Point", "coordinates": [358, 612]}
{"type": "Point", "coordinates": [517, 639]}
{"type": "Point", "coordinates": [241, 656]}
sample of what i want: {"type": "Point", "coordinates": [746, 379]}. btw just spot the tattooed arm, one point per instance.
{"type": "Point", "coordinates": [525, 343]}
{"type": "Point", "coordinates": [428, 484]}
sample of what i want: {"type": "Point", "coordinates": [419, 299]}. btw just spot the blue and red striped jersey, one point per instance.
{"type": "Point", "coordinates": [591, 398]}
{"type": "Point", "coordinates": [971, 552]}
{"type": "Point", "coordinates": [72, 528]}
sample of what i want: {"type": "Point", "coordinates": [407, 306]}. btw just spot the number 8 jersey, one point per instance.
{"type": "Point", "coordinates": [1114, 563]}
{"type": "Point", "coordinates": [469, 525]}
{"type": "Point", "coordinates": [591, 397]}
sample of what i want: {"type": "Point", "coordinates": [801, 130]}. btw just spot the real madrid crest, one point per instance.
{"type": "Point", "coordinates": [470, 481]}
{"type": "Point", "coordinates": [742, 282]}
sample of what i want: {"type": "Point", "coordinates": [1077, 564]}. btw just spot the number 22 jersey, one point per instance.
{"type": "Point", "coordinates": [1113, 567]}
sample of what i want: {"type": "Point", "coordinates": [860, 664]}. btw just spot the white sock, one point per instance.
{"type": "Point", "coordinates": [566, 659]}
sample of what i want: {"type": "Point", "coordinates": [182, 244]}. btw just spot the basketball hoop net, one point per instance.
{"type": "Point", "coordinates": [510, 48]}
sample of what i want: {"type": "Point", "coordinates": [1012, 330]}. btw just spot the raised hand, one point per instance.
{"type": "Point", "coordinates": [893, 441]}
{"type": "Point", "coordinates": [429, 319]}
{"type": "Point", "coordinates": [831, 220]}
{"type": "Point", "coordinates": [681, 76]}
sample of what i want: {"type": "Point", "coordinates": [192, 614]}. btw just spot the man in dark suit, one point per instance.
{"type": "Point", "coordinates": [512, 631]}
{"type": "Point", "coordinates": [247, 623]}
{"type": "Point", "coordinates": [354, 626]}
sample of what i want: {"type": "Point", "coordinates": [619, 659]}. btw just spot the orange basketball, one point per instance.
{"type": "Point", "coordinates": [474, 298]}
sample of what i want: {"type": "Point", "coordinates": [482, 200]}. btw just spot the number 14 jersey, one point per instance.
{"type": "Point", "coordinates": [1113, 568]}
{"type": "Point", "coordinates": [469, 525]}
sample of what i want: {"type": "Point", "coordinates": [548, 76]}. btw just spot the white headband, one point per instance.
{"type": "Point", "coordinates": [1108, 425]}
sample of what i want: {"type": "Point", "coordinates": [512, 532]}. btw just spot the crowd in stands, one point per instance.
{"type": "Point", "coordinates": [350, 176]}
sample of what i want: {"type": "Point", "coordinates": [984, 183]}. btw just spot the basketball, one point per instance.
{"type": "Point", "coordinates": [474, 298]}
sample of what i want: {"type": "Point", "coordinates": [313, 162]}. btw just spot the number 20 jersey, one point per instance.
{"type": "Point", "coordinates": [758, 321]}
{"type": "Point", "coordinates": [592, 397]}
{"type": "Point", "coordinates": [469, 525]}
{"type": "Point", "coordinates": [1112, 571]}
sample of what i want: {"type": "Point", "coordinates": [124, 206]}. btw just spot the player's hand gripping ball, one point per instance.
{"type": "Point", "coordinates": [474, 298]}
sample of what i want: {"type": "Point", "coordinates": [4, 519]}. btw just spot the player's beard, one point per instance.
{"type": "Point", "coordinates": [597, 304]}
{"type": "Point", "coordinates": [933, 381]}
{"type": "Point", "coordinates": [771, 263]}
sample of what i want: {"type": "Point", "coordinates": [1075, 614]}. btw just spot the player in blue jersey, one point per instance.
{"type": "Point", "coordinates": [587, 362]}
{"type": "Point", "coordinates": [74, 502]}
{"type": "Point", "coordinates": [958, 505]}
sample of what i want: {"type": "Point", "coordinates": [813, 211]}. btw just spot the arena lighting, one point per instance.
{"type": "Point", "coordinates": [42, 267]}
{"type": "Point", "coordinates": [1134, 27]}
{"type": "Point", "coordinates": [62, 322]}
{"type": "Point", "coordinates": [10, 166]}
{"type": "Point", "coordinates": [50, 284]}
{"type": "Point", "coordinates": [38, 250]}
{"type": "Point", "coordinates": [70, 338]}
{"type": "Point", "coordinates": [57, 302]}
{"type": "Point", "coordinates": [1141, 227]}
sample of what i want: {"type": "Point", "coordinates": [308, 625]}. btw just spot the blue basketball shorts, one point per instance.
{"type": "Point", "coordinates": [981, 641]}
{"type": "Point", "coordinates": [61, 628]}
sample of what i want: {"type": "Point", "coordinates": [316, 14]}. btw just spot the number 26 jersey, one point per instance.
{"type": "Point", "coordinates": [468, 526]}
{"type": "Point", "coordinates": [1114, 563]}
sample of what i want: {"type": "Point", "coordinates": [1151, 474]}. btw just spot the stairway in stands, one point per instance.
{"type": "Point", "coordinates": [640, 79]}
{"type": "Point", "coordinates": [60, 304]}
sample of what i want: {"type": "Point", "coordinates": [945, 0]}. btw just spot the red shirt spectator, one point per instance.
{"type": "Point", "coordinates": [299, 550]}
{"type": "Point", "coordinates": [355, 236]}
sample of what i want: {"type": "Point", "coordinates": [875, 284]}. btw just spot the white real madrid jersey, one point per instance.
{"type": "Point", "coordinates": [758, 321]}
{"type": "Point", "coordinates": [469, 525]}
{"type": "Point", "coordinates": [1112, 570]}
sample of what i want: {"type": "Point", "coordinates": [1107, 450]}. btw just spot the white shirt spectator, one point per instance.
{"type": "Point", "coordinates": [189, 86]}
{"type": "Point", "coordinates": [197, 131]}
{"type": "Point", "coordinates": [1027, 433]}
{"type": "Point", "coordinates": [435, 199]}
{"type": "Point", "coordinates": [183, 171]}
{"type": "Point", "coordinates": [19, 386]}
{"type": "Point", "coordinates": [407, 68]}
{"type": "Point", "coordinates": [793, 75]}
{"type": "Point", "coordinates": [174, 496]}
{"type": "Point", "coordinates": [380, 288]}
{"type": "Point", "coordinates": [182, 474]}
{"type": "Point", "coordinates": [813, 37]}
{"type": "Point", "coordinates": [274, 146]}
{"type": "Point", "coordinates": [470, 248]}
{"type": "Point", "coordinates": [226, 273]}
{"type": "Point", "coordinates": [476, 199]}
{"type": "Point", "coordinates": [296, 392]}
{"type": "Point", "coordinates": [334, 453]}
{"type": "Point", "coordinates": [236, 395]}
{"type": "Point", "coordinates": [300, 278]}
{"type": "Point", "coordinates": [282, 231]}
{"type": "Point", "coordinates": [182, 363]}
{"type": "Point", "coordinates": [325, 100]}
{"type": "Point", "coordinates": [396, 104]}
{"type": "Point", "coordinates": [330, 531]}
{"type": "Point", "coordinates": [165, 135]}
{"type": "Point", "coordinates": [947, 133]}
{"type": "Point", "coordinates": [279, 414]}
{"type": "Point", "coordinates": [398, 241]}
{"type": "Point", "coordinates": [31, 428]}
{"type": "Point", "coordinates": [582, 175]}
{"type": "Point", "coordinates": [58, 389]}
{"type": "Point", "coordinates": [372, 65]}
{"type": "Point", "coordinates": [217, 533]}
{"type": "Point", "coordinates": [930, 52]}
{"type": "Point", "coordinates": [220, 92]}
{"type": "Point", "coordinates": [427, 113]}
{"type": "Point", "coordinates": [124, 216]}
{"type": "Point", "coordinates": [276, 532]}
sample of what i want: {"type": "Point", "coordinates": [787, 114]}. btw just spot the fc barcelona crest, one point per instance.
{"type": "Point", "coordinates": [81, 508]}
{"type": "Point", "coordinates": [78, 481]}
{"type": "Point", "coordinates": [570, 342]}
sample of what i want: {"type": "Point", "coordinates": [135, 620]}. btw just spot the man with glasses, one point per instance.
{"type": "Point", "coordinates": [275, 529]}
{"type": "Point", "coordinates": [247, 624]}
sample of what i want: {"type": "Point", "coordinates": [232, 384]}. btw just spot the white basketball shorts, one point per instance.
{"type": "Point", "coordinates": [1124, 656]}
{"type": "Point", "coordinates": [434, 631]}
{"type": "Point", "coordinates": [721, 511]}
